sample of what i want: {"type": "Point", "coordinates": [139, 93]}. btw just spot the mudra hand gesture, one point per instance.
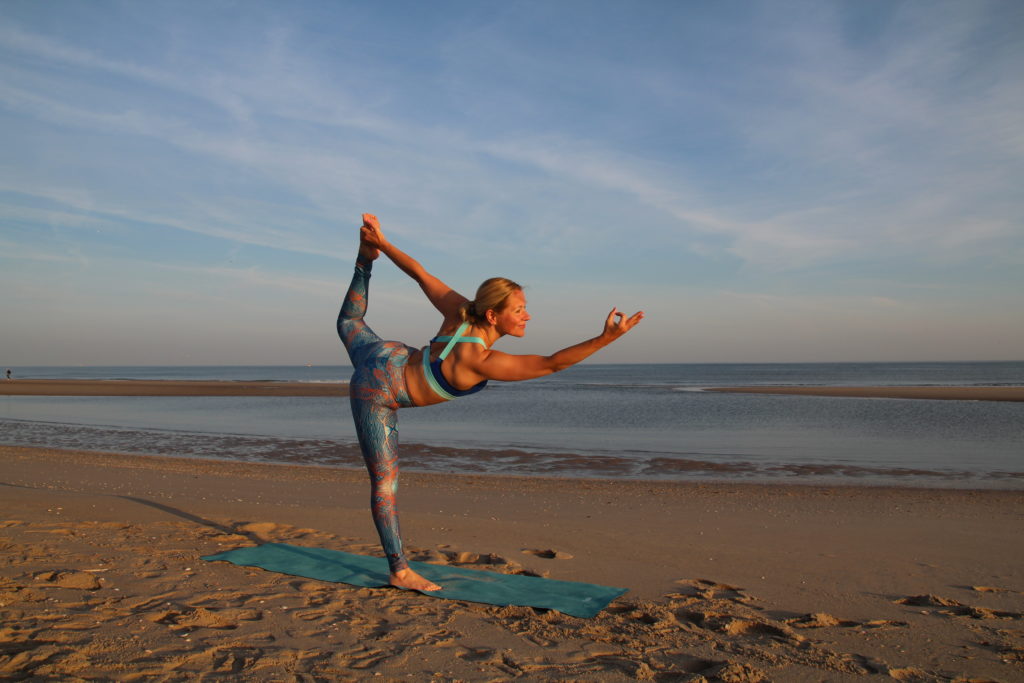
{"type": "Point", "coordinates": [617, 324]}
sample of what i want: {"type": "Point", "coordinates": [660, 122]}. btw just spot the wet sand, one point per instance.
{"type": "Point", "coordinates": [75, 387]}
{"type": "Point", "coordinates": [929, 392]}
{"type": "Point", "coordinates": [137, 387]}
{"type": "Point", "coordinates": [101, 577]}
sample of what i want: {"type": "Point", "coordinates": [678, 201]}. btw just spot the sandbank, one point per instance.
{"type": "Point", "coordinates": [90, 387]}
{"type": "Point", "coordinates": [138, 387]}
{"type": "Point", "coordinates": [947, 393]}
{"type": "Point", "coordinates": [102, 578]}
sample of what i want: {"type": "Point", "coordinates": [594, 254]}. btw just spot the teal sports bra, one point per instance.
{"type": "Point", "coordinates": [432, 369]}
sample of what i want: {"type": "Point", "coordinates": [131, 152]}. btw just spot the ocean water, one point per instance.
{"type": "Point", "coordinates": [628, 421]}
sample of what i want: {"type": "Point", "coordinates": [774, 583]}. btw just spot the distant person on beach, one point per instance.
{"type": "Point", "coordinates": [8, 373]}
{"type": "Point", "coordinates": [457, 362]}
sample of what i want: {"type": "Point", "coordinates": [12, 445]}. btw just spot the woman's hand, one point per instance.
{"type": "Point", "coordinates": [370, 221]}
{"type": "Point", "coordinates": [444, 298]}
{"type": "Point", "coordinates": [370, 233]}
{"type": "Point", "coordinates": [617, 324]}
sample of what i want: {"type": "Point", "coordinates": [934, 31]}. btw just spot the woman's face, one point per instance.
{"type": "Point", "coordinates": [512, 319]}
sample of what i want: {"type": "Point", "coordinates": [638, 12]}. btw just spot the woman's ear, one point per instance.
{"type": "Point", "coordinates": [491, 316]}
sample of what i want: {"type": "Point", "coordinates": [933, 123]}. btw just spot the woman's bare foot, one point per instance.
{"type": "Point", "coordinates": [368, 253]}
{"type": "Point", "coordinates": [369, 234]}
{"type": "Point", "coordinates": [410, 580]}
{"type": "Point", "coordinates": [369, 249]}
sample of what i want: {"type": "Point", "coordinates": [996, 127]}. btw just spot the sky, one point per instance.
{"type": "Point", "coordinates": [181, 182]}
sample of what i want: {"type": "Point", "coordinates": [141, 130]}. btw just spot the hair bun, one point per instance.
{"type": "Point", "coordinates": [492, 295]}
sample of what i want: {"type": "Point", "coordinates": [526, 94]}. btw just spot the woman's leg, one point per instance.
{"type": "Point", "coordinates": [376, 392]}
{"type": "Point", "coordinates": [376, 426]}
{"type": "Point", "coordinates": [355, 334]}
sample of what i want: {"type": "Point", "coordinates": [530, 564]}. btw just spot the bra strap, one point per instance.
{"type": "Point", "coordinates": [454, 340]}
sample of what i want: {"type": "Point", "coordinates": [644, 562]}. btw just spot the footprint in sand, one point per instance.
{"type": "Point", "coordinates": [263, 531]}
{"type": "Point", "coordinates": [730, 625]}
{"type": "Point", "coordinates": [825, 620]}
{"type": "Point", "coordinates": [991, 589]}
{"type": "Point", "coordinates": [71, 579]}
{"type": "Point", "coordinates": [952, 607]}
{"type": "Point", "coordinates": [227, 619]}
{"type": "Point", "coordinates": [475, 558]}
{"type": "Point", "coordinates": [547, 554]}
{"type": "Point", "coordinates": [713, 590]}
{"type": "Point", "coordinates": [483, 655]}
{"type": "Point", "coordinates": [819, 620]}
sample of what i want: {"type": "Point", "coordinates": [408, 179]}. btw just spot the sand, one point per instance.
{"type": "Point", "coordinates": [928, 392]}
{"type": "Point", "coordinates": [101, 577]}
{"type": "Point", "coordinates": [138, 387]}
{"type": "Point", "coordinates": [73, 387]}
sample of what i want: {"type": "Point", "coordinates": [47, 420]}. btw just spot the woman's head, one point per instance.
{"type": "Point", "coordinates": [499, 302]}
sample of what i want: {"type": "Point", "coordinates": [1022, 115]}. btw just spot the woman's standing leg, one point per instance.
{"type": "Point", "coordinates": [377, 428]}
{"type": "Point", "coordinates": [376, 392]}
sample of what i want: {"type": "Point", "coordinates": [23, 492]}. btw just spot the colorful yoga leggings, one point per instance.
{"type": "Point", "coordinates": [376, 393]}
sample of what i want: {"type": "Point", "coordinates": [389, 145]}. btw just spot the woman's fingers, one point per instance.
{"type": "Point", "coordinates": [370, 231]}
{"type": "Point", "coordinates": [618, 324]}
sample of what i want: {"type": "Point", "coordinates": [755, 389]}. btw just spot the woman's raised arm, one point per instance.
{"type": "Point", "coordinates": [444, 298]}
{"type": "Point", "coordinates": [506, 367]}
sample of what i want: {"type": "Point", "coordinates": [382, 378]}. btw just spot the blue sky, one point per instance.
{"type": "Point", "coordinates": [181, 182]}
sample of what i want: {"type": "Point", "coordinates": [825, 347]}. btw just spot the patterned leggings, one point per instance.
{"type": "Point", "coordinates": [376, 393]}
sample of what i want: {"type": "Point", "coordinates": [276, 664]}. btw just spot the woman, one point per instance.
{"type": "Point", "coordinates": [459, 361]}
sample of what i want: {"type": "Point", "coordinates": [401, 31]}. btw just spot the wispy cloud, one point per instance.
{"type": "Point", "coordinates": [826, 146]}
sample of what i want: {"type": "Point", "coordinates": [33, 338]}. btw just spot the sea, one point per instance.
{"type": "Point", "coordinates": [635, 421]}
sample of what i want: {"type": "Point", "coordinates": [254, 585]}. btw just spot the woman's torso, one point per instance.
{"type": "Point", "coordinates": [453, 367]}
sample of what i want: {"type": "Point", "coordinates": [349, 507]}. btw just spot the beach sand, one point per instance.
{"type": "Point", "coordinates": [140, 387]}
{"type": "Point", "coordinates": [101, 577]}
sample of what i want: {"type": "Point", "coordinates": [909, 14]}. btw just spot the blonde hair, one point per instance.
{"type": "Point", "coordinates": [491, 295]}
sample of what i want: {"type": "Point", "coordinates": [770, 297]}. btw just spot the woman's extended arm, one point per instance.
{"type": "Point", "coordinates": [444, 298]}
{"type": "Point", "coordinates": [507, 367]}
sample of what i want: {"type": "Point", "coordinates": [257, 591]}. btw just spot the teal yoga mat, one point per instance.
{"type": "Point", "coordinates": [569, 597]}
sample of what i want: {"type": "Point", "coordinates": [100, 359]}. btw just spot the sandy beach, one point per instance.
{"type": "Point", "coordinates": [102, 577]}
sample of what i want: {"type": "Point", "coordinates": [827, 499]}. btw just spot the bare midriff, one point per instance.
{"type": "Point", "coordinates": [416, 385]}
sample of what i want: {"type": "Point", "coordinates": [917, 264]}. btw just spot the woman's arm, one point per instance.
{"type": "Point", "coordinates": [507, 367]}
{"type": "Point", "coordinates": [444, 298]}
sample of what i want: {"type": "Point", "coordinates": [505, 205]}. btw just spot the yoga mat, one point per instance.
{"type": "Point", "coordinates": [569, 597]}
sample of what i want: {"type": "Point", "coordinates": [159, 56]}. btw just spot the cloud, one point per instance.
{"type": "Point", "coordinates": [821, 147]}
{"type": "Point", "coordinates": [849, 124]}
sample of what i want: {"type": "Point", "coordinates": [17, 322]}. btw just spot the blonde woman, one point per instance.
{"type": "Point", "coordinates": [457, 362]}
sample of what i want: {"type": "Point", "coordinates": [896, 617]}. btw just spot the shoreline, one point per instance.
{"type": "Point", "coordinates": [941, 393]}
{"type": "Point", "coordinates": [102, 576]}
{"type": "Point", "coordinates": [134, 387]}
{"type": "Point", "coordinates": [139, 387]}
{"type": "Point", "coordinates": [518, 463]}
